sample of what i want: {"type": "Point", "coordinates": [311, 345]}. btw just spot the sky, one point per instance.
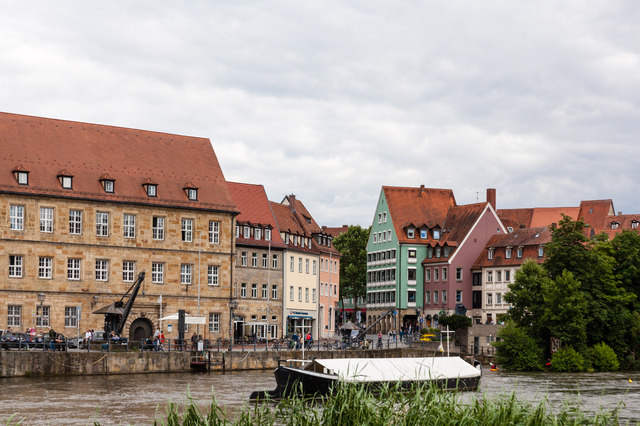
{"type": "Point", "coordinates": [332, 100]}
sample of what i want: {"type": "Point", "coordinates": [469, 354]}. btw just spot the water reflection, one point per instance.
{"type": "Point", "coordinates": [138, 399]}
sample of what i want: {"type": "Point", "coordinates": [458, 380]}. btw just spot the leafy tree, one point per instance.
{"type": "Point", "coordinates": [517, 350]}
{"type": "Point", "coordinates": [455, 322]}
{"type": "Point", "coordinates": [352, 245]}
{"type": "Point", "coordinates": [626, 251]}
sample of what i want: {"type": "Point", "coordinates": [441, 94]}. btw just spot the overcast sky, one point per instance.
{"type": "Point", "coordinates": [331, 100]}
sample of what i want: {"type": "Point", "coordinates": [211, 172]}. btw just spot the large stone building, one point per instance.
{"type": "Point", "coordinates": [84, 208]}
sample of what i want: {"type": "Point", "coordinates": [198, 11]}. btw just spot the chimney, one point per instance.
{"type": "Point", "coordinates": [491, 197]}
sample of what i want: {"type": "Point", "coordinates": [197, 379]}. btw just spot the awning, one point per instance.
{"type": "Point", "coordinates": [187, 319]}
{"type": "Point", "coordinates": [301, 316]}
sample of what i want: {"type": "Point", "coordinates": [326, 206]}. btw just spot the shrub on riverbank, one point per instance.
{"type": "Point", "coordinates": [568, 360]}
{"type": "Point", "coordinates": [603, 358]}
{"type": "Point", "coordinates": [354, 404]}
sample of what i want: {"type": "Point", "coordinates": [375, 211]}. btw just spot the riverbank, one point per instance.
{"type": "Point", "coordinates": [46, 363]}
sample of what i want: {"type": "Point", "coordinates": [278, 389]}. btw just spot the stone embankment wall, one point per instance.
{"type": "Point", "coordinates": [24, 363]}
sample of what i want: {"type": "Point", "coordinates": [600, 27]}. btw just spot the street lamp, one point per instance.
{"type": "Point", "coordinates": [233, 305]}
{"type": "Point", "coordinates": [41, 297]}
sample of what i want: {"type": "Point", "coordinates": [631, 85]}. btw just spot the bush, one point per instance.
{"type": "Point", "coordinates": [518, 351]}
{"type": "Point", "coordinates": [568, 360]}
{"type": "Point", "coordinates": [455, 321]}
{"type": "Point", "coordinates": [603, 358]}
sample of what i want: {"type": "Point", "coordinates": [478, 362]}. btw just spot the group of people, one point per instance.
{"type": "Point", "coordinates": [297, 342]}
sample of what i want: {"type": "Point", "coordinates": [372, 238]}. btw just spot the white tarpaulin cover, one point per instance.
{"type": "Point", "coordinates": [187, 319]}
{"type": "Point", "coordinates": [398, 369]}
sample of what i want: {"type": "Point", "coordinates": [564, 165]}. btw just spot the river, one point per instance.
{"type": "Point", "coordinates": [139, 399]}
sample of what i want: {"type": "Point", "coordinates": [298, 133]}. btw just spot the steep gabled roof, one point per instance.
{"type": "Point", "coordinates": [417, 206]}
{"type": "Point", "coordinates": [459, 222]}
{"type": "Point", "coordinates": [594, 212]}
{"type": "Point", "coordinates": [49, 148]}
{"type": "Point", "coordinates": [545, 216]}
{"type": "Point", "coordinates": [255, 209]}
{"type": "Point", "coordinates": [529, 237]}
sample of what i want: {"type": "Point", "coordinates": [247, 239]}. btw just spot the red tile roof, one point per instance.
{"type": "Point", "coordinates": [132, 157]}
{"type": "Point", "coordinates": [255, 209]}
{"type": "Point", "coordinates": [418, 206]}
{"type": "Point", "coordinates": [529, 239]}
{"type": "Point", "coordinates": [545, 216]}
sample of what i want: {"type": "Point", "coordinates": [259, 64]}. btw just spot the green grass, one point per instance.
{"type": "Point", "coordinates": [356, 405]}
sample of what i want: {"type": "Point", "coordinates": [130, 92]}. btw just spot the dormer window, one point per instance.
{"type": "Point", "coordinates": [150, 187]}
{"type": "Point", "coordinates": [22, 175]}
{"type": "Point", "coordinates": [247, 232]}
{"type": "Point", "coordinates": [410, 233]}
{"type": "Point", "coordinates": [423, 233]}
{"type": "Point", "coordinates": [519, 253]}
{"type": "Point", "coordinates": [507, 253]}
{"type": "Point", "coordinates": [614, 225]}
{"type": "Point", "coordinates": [109, 186]}
{"type": "Point", "coordinates": [540, 251]}
{"type": "Point", "coordinates": [490, 254]}
{"type": "Point", "coordinates": [446, 251]}
{"type": "Point", "coordinates": [257, 233]}
{"type": "Point", "coordinates": [634, 224]}
{"type": "Point", "coordinates": [436, 234]}
{"type": "Point", "coordinates": [192, 191]}
{"type": "Point", "coordinates": [267, 234]}
{"type": "Point", "coordinates": [66, 179]}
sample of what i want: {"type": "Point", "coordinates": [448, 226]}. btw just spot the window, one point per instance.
{"type": "Point", "coordinates": [46, 219]}
{"type": "Point", "coordinates": [243, 258]}
{"type": "Point", "coordinates": [489, 276]}
{"type": "Point", "coordinates": [436, 274]}
{"type": "Point", "coordinates": [306, 294]}
{"type": "Point", "coordinates": [389, 235]}
{"type": "Point", "coordinates": [519, 253]}
{"type": "Point", "coordinates": [67, 182]}
{"type": "Point", "coordinates": [243, 290]}
{"type": "Point", "coordinates": [300, 265]}
{"type": "Point", "coordinates": [313, 296]}
{"type": "Point", "coordinates": [15, 266]}
{"type": "Point", "coordinates": [274, 291]}
{"type": "Point", "coordinates": [427, 297]}
{"type": "Point", "coordinates": [212, 275]}
{"type": "Point", "coordinates": [458, 274]}
{"type": "Point", "coordinates": [257, 233]}
{"type": "Point", "coordinates": [299, 294]}
{"type": "Point", "coordinates": [73, 269]}
{"type": "Point", "coordinates": [423, 233]}
{"type": "Point", "coordinates": [157, 273]}
{"type": "Point", "coordinates": [102, 270]}
{"type": "Point", "coordinates": [187, 230]}
{"type": "Point", "coordinates": [14, 314]}
{"type": "Point", "coordinates": [410, 233]}
{"type": "Point", "coordinates": [265, 291]}
{"type": "Point", "coordinates": [507, 275]}
{"type": "Point", "coordinates": [214, 323]}
{"type": "Point", "coordinates": [498, 276]}
{"type": "Point", "coordinates": [158, 228]}
{"type": "Point", "coordinates": [247, 232]}
{"type": "Point", "coordinates": [444, 274]}
{"type": "Point", "coordinates": [411, 274]}
{"type": "Point", "coordinates": [489, 298]}
{"type": "Point", "coordinates": [214, 232]}
{"type": "Point", "coordinates": [436, 234]}
{"type": "Point", "coordinates": [108, 185]}
{"type": "Point", "coordinates": [411, 296]}
{"type": "Point", "coordinates": [75, 222]}
{"type": "Point", "coordinates": [152, 190]}
{"type": "Point", "coordinates": [412, 253]}
{"type": "Point", "coordinates": [458, 296]}
{"type": "Point", "coordinates": [436, 296]}
{"type": "Point", "coordinates": [254, 260]}
{"type": "Point", "coordinates": [291, 263]}
{"type": "Point", "coordinates": [192, 194]}
{"type": "Point", "coordinates": [291, 293]}
{"type": "Point", "coordinates": [129, 226]}
{"type": "Point", "coordinates": [102, 224]}
{"type": "Point", "coordinates": [379, 217]}
{"type": "Point", "coordinates": [438, 251]}
{"type": "Point", "coordinates": [634, 224]}
{"type": "Point", "coordinates": [306, 266]}
{"type": "Point", "coordinates": [444, 296]}
{"type": "Point", "coordinates": [490, 254]}
{"type": "Point", "coordinates": [507, 253]}
{"type": "Point", "coordinates": [70, 316]}
{"type": "Point", "coordinates": [42, 316]}
{"type": "Point", "coordinates": [16, 214]}
{"type": "Point", "coordinates": [498, 298]}
{"type": "Point", "coordinates": [265, 260]}
{"type": "Point", "coordinates": [267, 234]}
{"type": "Point", "coordinates": [384, 217]}
{"type": "Point", "coordinates": [540, 251]}
{"type": "Point", "coordinates": [45, 268]}
{"type": "Point", "coordinates": [128, 271]}
{"type": "Point", "coordinates": [185, 274]}
{"type": "Point", "coordinates": [23, 178]}
{"type": "Point", "coordinates": [254, 290]}
{"type": "Point", "coordinates": [314, 266]}
{"type": "Point", "coordinates": [274, 262]}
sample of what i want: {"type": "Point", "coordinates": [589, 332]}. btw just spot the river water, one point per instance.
{"type": "Point", "coordinates": [139, 399]}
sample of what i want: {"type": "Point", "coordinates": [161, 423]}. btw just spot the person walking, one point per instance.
{"type": "Point", "coordinates": [379, 339]}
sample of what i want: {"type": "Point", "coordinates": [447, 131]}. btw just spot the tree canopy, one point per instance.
{"type": "Point", "coordinates": [352, 245]}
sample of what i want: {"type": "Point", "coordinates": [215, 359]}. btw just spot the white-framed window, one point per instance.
{"type": "Point", "coordinates": [265, 260]}
{"type": "Point", "coordinates": [192, 194]}
{"type": "Point", "coordinates": [458, 274]}
{"type": "Point", "coordinates": [265, 291]}
{"type": "Point", "coordinates": [489, 276]}
{"type": "Point", "coordinates": [23, 178]}
{"type": "Point", "coordinates": [14, 315]}
{"type": "Point", "coordinates": [436, 234]}
{"type": "Point", "coordinates": [274, 262]}
{"type": "Point", "coordinates": [291, 293]}
{"type": "Point", "coordinates": [444, 296]}
{"type": "Point", "coordinates": [128, 271]}
{"type": "Point", "coordinates": [185, 273]}
{"type": "Point", "coordinates": [313, 295]}
{"type": "Point", "coordinates": [299, 294]}
{"type": "Point", "coordinates": [102, 269]}
{"type": "Point", "coordinates": [15, 266]}
{"type": "Point", "coordinates": [507, 275]}
{"type": "Point", "coordinates": [214, 232]}
{"type": "Point", "coordinates": [436, 296]}
{"type": "Point", "coordinates": [300, 265]}
{"type": "Point", "coordinates": [71, 316]}
{"type": "Point", "coordinates": [42, 316]}
{"type": "Point", "coordinates": [540, 251]}
{"type": "Point", "coordinates": [498, 276]}
{"type": "Point", "coordinates": [187, 230]}
{"type": "Point", "coordinates": [45, 268]}
{"type": "Point", "coordinates": [129, 226]}
{"type": "Point", "coordinates": [274, 291]}
{"type": "Point", "coordinates": [384, 217]}
{"type": "Point", "coordinates": [157, 272]}
{"type": "Point", "coordinates": [243, 290]}
{"type": "Point", "coordinates": [507, 253]}
{"type": "Point", "coordinates": [158, 228]}
{"type": "Point", "coordinates": [458, 296]}
{"type": "Point", "coordinates": [108, 186]}
{"type": "Point", "coordinates": [267, 234]}
{"type": "Point", "coordinates": [427, 297]}
{"type": "Point", "coordinates": [634, 224]}
{"type": "Point", "coordinates": [291, 263]}
{"type": "Point", "coordinates": [257, 233]}
{"type": "Point", "coordinates": [247, 232]}
{"type": "Point", "coordinates": [73, 269]}
{"type": "Point", "coordinates": [214, 322]}
{"type": "Point", "coordinates": [152, 190]}
{"type": "Point", "coordinates": [489, 298]}
{"type": "Point", "coordinates": [444, 273]}
{"type": "Point", "coordinates": [315, 265]}
{"type": "Point", "coordinates": [16, 214]}
{"type": "Point", "coordinates": [436, 274]}
{"type": "Point", "coordinates": [379, 217]}
{"type": "Point", "coordinates": [498, 298]}
{"type": "Point", "coordinates": [427, 275]}
{"type": "Point", "coordinates": [67, 182]}
{"type": "Point", "coordinates": [389, 235]}
{"type": "Point", "coordinates": [412, 253]}
{"type": "Point", "coordinates": [306, 294]}
{"type": "Point", "coordinates": [212, 275]}
{"type": "Point", "coordinates": [519, 253]}
{"type": "Point", "coordinates": [410, 233]}
{"type": "Point", "coordinates": [75, 222]}
{"type": "Point", "coordinates": [375, 237]}
{"type": "Point", "coordinates": [423, 233]}
{"type": "Point", "coordinates": [46, 219]}
{"type": "Point", "coordinates": [243, 258]}
{"type": "Point", "coordinates": [254, 291]}
{"type": "Point", "coordinates": [306, 266]}
{"type": "Point", "coordinates": [102, 224]}
{"type": "Point", "coordinates": [254, 260]}
{"type": "Point", "coordinates": [490, 254]}
{"type": "Point", "coordinates": [411, 296]}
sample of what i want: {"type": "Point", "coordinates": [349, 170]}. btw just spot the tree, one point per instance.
{"type": "Point", "coordinates": [352, 245]}
{"type": "Point", "coordinates": [626, 251]}
{"type": "Point", "coordinates": [517, 350]}
{"type": "Point", "coordinates": [455, 321]}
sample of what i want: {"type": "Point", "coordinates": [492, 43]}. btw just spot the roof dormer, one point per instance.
{"type": "Point", "coordinates": [21, 174]}
{"type": "Point", "coordinates": [108, 183]}
{"type": "Point", "coordinates": [66, 179]}
{"type": "Point", "coordinates": [150, 187]}
{"type": "Point", "coordinates": [191, 190]}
